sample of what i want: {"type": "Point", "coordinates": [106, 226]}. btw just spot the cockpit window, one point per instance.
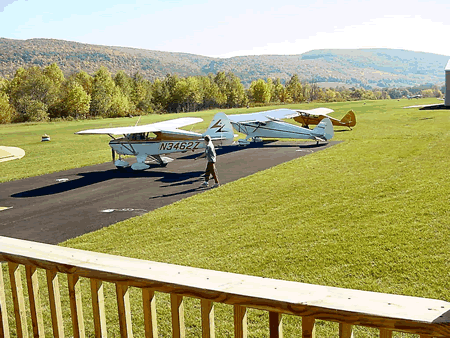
{"type": "Point", "coordinates": [140, 136]}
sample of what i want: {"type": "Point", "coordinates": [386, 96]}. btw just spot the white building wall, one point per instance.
{"type": "Point", "coordinates": [447, 84]}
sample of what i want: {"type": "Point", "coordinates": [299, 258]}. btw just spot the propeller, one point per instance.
{"type": "Point", "coordinates": [113, 155]}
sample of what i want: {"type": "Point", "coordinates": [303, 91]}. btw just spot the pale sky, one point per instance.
{"type": "Point", "coordinates": [229, 28]}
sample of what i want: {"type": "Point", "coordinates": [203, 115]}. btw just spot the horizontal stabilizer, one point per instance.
{"type": "Point", "coordinates": [166, 159]}
{"type": "Point", "coordinates": [158, 159]}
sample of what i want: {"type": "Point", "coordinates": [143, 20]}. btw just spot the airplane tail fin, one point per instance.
{"type": "Point", "coordinates": [349, 119]}
{"type": "Point", "coordinates": [324, 130]}
{"type": "Point", "coordinates": [220, 130]}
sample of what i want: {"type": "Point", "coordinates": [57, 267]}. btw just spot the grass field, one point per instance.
{"type": "Point", "coordinates": [371, 213]}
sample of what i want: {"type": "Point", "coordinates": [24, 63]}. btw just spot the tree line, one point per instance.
{"type": "Point", "coordinates": [43, 93]}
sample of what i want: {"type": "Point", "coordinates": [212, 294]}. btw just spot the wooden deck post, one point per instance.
{"type": "Point", "coordinates": [384, 333]}
{"type": "Point", "coordinates": [150, 323]}
{"type": "Point", "coordinates": [124, 308]}
{"type": "Point", "coordinates": [4, 325]}
{"type": "Point", "coordinates": [178, 328]}
{"type": "Point", "coordinates": [76, 306]}
{"type": "Point", "coordinates": [35, 301]}
{"type": "Point", "coordinates": [387, 312]}
{"type": "Point", "coordinates": [308, 327]}
{"type": "Point", "coordinates": [98, 308]}
{"type": "Point", "coordinates": [18, 299]}
{"type": "Point", "coordinates": [240, 321]}
{"type": "Point", "coordinates": [55, 303]}
{"type": "Point", "coordinates": [275, 325]}
{"type": "Point", "coordinates": [345, 330]}
{"type": "Point", "coordinates": [208, 329]}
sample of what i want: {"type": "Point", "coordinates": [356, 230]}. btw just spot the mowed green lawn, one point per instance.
{"type": "Point", "coordinates": [371, 213]}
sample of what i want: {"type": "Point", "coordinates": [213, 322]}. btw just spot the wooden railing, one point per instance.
{"type": "Point", "coordinates": [388, 313]}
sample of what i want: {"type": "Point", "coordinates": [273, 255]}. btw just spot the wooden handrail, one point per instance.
{"type": "Point", "coordinates": [387, 312]}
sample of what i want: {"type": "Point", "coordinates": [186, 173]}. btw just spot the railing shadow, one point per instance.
{"type": "Point", "coordinates": [435, 107]}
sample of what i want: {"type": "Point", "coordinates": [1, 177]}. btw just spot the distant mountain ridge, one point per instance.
{"type": "Point", "coordinates": [358, 67]}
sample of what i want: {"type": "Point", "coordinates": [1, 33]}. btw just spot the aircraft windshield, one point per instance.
{"type": "Point", "coordinates": [140, 136]}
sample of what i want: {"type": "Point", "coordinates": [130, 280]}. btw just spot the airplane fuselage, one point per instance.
{"type": "Point", "coordinates": [137, 148]}
{"type": "Point", "coordinates": [273, 129]}
{"type": "Point", "coordinates": [145, 150]}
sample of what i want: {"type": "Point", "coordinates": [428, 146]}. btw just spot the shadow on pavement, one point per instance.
{"type": "Point", "coordinates": [184, 192]}
{"type": "Point", "coordinates": [101, 176]}
{"type": "Point", "coordinates": [256, 145]}
{"type": "Point", "coordinates": [175, 179]}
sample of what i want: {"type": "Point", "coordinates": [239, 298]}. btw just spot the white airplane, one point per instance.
{"type": "Point", "coordinates": [418, 96]}
{"type": "Point", "coordinates": [269, 124]}
{"type": "Point", "coordinates": [149, 142]}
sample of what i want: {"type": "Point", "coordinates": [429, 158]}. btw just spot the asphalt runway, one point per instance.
{"type": "Point", "coordinates": [55, 207]}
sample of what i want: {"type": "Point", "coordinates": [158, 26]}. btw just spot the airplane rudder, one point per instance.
{"type": "Point", "coordinates": [216, 118]}
{"type": "Point", "coordinates": [325, 129]}
{"type": "Point", "coordinates": [227, 126]}
{"type": "Point", "coordinates": [349, 118]}
{"type": "Point", "coordinates": [220, 126]}
{"type": "Point", "coordinates": [329, 130]}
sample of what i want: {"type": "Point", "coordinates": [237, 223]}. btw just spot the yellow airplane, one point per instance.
{"type": "Point", "coordinates": [314, 116]}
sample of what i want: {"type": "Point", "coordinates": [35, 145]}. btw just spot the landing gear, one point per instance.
{"type": "Point", "coordinates": [161, 160]}
{"type": "Point", "coordinates": [243, 142]}
{"type": "Point", "coordinates": [120, 163]}
{"type": "Point", "coordinates": [246, 142]}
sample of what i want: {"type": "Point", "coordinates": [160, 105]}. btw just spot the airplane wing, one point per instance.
{"type": "Point", "coordinates": [264, 116]}
{"type": "Point", "coordinates": [177, 123]}
{"type": "Point", "coordinates": [316, 111]}
{"type": "Point", "coordinates": [170, 125]}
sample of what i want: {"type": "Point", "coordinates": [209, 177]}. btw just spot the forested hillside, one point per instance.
{"type": "Point", "coordinates": [42, 93]}
{"type": "Point", "coordinates": [51, 79]}
{"type": "Point", "coordinates": [367, 68]}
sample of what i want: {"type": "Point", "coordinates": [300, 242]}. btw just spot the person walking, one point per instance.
{"type": "Point", "coordinates": [210, 154]}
